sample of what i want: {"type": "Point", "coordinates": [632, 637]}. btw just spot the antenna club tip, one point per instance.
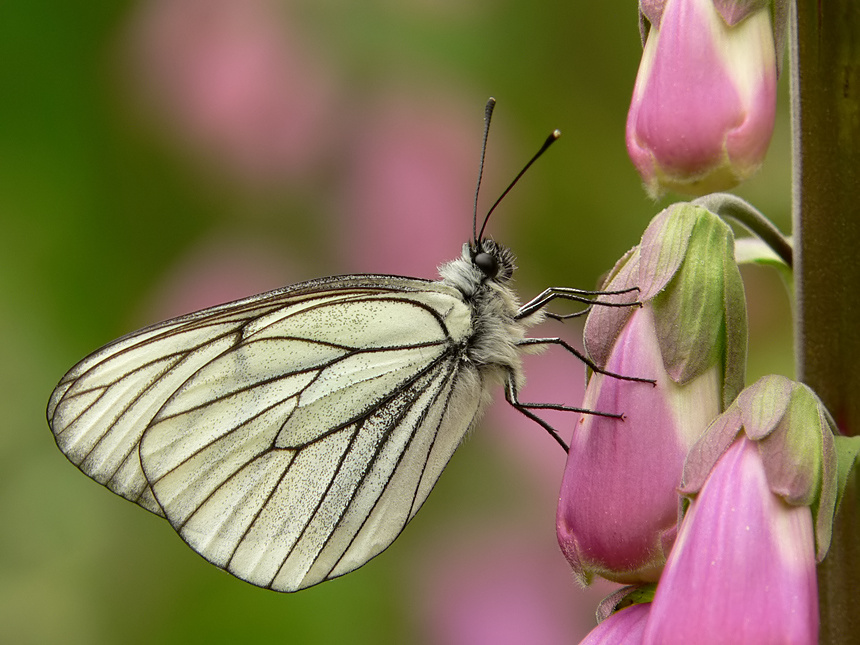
{"type": "Point", "coordinates": [556, 134]}
{"type": "Point", "coordinates": [488, 109]}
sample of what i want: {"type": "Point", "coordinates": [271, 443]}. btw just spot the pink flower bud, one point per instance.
{"type": "Point", "coordinates": [743, 567]}
{"type": "Point", "coordinates": [704, 102]}
{"type": "Point", "coordinates": [618, 506]}
{"type": "Point", "coordinates": [764, 481]}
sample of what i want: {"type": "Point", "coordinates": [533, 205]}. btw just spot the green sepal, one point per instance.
{"type": "Point", "coordinates": [697, 295]}
{"type": "Point", "coordinates": [604, 324]}
{"type": "Point", "coordinates": [752, 250]}
{"type": "Point", "coordinates": [625, 597]}
{"type": "Point", "coordinates": [805, 464]}
{"type": "Point", "coordinates": [684, 268]}
{"type": "Point", "coordinates": [847, 449]}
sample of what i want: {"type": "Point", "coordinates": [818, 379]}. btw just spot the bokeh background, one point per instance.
{"type": "Point", "coordinates": [158, 156]}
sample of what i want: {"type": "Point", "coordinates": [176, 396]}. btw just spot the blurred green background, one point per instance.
{"type": "Point", "coordinates": [123, 200]}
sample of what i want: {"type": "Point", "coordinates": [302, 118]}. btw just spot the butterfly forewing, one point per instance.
{"type": "Point", "coordinates": [287, 437]}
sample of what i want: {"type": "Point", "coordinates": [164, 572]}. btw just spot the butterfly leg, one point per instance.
{"type": "Point", "coordinates": [576, 295]}
{"type": "Point", "coordinates": [590, 363]}
{"type": "Point", "coordinates": [526, 409]}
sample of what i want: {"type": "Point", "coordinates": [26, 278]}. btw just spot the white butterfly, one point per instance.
{"type": "Point", "coordinates": [289, 437]}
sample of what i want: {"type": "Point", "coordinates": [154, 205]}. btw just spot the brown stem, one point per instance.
{"type": "Point", "coordinates": [825, 69]}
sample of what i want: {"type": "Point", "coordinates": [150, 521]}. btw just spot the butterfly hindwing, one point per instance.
{"type": "Point", "coordinates": [288, 437]}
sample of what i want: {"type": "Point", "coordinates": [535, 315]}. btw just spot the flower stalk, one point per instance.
{"type": "Point", "coordinates": [825, 86]}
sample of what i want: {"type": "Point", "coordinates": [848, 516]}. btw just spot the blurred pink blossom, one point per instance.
{"type": "Point", "coordinates": [407, 204]}
{"type": "Point", "coordinates": [235, 80]}
{"type": "Point", "coordinates": [503, 584]}
{"type": "Point", "coordinates": [214, 272]}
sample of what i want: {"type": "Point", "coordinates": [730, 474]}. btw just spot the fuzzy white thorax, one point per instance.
{"type": "Point", "coordinates": [493, 346]}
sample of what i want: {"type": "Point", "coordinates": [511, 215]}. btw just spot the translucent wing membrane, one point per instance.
{"type": "Point", "coordinates": [288, 437]}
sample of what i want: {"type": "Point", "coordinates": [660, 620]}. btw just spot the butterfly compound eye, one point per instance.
{"type": "Point", "coordinates": [487, 263]}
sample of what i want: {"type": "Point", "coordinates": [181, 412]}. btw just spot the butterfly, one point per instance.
{"type": "Point", "coordinates": [289, 437]}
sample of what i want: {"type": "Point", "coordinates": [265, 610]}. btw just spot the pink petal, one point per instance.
{"type": "Point", "coordinates": [743, 566]}
{"type": "Point", "coordinates": [621, 628]}
{"type": "Point", "coordinates": [618, 503]}
{"type": "Point", "coordinates": [688, 101]}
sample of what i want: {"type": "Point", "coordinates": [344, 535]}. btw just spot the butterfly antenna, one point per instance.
{"type": "Point", "coordinates": [488, 116]}
{"type": "Point", "coordinates": [551, 139]}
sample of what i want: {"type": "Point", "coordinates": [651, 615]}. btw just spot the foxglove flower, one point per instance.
{"type": "Point", "coordinates": [498, 583]}
{"type": "Point", "coordinates": [624, 627]}
{"type": "Point", "coordinates": [704, 101]}
{"type": "Point", "coordinates": [764, 481]}
{"type": "Point", "coordinates": [237, 83]}
{"type": "Point", "coordinates": [743, 564]}
{"type": "Point", "coordinates": [617, 512]}
{"type": "Point", "coordinates": [393, 168]}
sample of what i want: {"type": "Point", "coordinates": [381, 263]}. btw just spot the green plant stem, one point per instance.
{"type": "Point", "coordinates": [825, 78]}
{"type": "Point", "coordinates": [733, 207]}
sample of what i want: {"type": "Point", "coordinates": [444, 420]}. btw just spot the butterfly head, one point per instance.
{"type": "Point", "coordinates": [494, 261]}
